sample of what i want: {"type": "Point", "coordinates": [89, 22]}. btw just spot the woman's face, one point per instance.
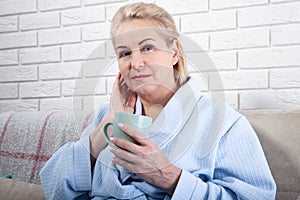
{"type": "Point", "coordinates": [145, 59]}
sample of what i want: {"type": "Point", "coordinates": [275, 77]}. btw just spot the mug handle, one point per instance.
{"type": "Point", "coordinates": [104, 131]}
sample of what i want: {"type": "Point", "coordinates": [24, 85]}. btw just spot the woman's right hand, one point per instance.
{"type": "Point", "coordinates": [122, 100]}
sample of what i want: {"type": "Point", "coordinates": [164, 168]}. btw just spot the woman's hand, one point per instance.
{"type": "Point", "coordinates": [146, 160]}
{"type": "Point", "coordinates": [122, 100]}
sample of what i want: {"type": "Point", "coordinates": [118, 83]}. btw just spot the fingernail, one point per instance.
{"type": "Point", "coordinates": [111, 138]}
{"type": "Point", "coordinates": [120, 125]}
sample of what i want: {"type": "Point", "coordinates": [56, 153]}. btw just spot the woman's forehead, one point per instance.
{"type": "Point", "coordinates": [133, 38]}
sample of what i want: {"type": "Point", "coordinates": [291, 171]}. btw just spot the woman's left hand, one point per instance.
{"type": "Point", "coordinates": [146, 160]}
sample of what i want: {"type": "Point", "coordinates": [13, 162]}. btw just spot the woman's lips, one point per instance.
{"type": "Point", "coordinates": [140, 77]}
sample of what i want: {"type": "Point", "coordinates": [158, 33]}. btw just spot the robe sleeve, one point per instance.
{"type": "Point", "coordinates": [240, 172]}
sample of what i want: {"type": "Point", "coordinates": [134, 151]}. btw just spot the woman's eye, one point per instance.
{"type": "Point", "coordinates": [124, 54]}
{"type": "Point", "coordinates": [147, 48]}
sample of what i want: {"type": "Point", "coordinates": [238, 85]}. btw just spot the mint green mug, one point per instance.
{"type": "Point", "coordinates": [140, 123]}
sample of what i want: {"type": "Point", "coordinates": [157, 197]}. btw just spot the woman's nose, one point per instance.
{"type": "Point", "coordinates": [137, 60]}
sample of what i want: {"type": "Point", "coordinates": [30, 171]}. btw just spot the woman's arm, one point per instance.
{"type": "Point", "coordinates": [67, 174]}
{"type": "Point", "coordinates": [121, 101]}
{"type": "Point", "coordinates": [241, 170]}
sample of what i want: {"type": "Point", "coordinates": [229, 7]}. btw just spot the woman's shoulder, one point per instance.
{"type": "Point", "coordinates": [219, 111]}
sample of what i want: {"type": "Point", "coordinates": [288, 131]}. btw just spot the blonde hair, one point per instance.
{"type": "Point", "coordinates": [163, 19]}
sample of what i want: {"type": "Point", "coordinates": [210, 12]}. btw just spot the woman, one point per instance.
{"type": "Point", "coordinates": [186, 158]}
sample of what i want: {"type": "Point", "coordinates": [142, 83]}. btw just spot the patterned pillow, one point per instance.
{"type": "Point", "coordinates": [28, 139]}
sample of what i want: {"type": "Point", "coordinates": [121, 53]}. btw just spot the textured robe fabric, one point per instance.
{"type": "Point", "coordinates": [216, 148]}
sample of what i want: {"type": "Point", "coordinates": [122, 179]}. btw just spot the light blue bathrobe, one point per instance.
{"type": "Point", "coordinates": [216, 148]}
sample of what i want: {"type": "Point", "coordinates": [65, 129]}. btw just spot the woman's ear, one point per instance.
{"type": "Point", "coordinates": [175, 48]}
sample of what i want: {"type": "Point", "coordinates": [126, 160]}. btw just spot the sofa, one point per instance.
{"type": "Point", "coordinates": [28, 139]}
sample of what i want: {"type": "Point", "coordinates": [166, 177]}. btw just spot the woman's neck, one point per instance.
{"type": "Point", "coordinates": [153, 104]}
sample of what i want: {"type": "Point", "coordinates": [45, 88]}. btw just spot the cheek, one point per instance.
{"type": "Point", "coordinates": [123, 69]}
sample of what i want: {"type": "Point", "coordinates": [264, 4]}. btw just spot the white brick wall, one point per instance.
{"type": "Point", "coordinates": [39, 21]}
{"type": "Point", "coordinates": [53, 50]}
{"type": "Point", "coordinates": [9, 23]}
{"type": "Point", "coordinates": [9, 57]}
{"type": "Point", "coordinates": [18, 40]}
{"type": "Point", "coordinates": [8, 7]}
{"type": "Point", "coordinates": [19, 73]}
{"type": "Point", "coordinates": [40, 55]}
{"type": "Point", "coordinates": [59, 36]}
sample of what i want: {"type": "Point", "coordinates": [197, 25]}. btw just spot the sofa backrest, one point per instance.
{"type": "Point", "coordinates": [279, 134]}
{"type": "Point", "coordinates": [28, 139]}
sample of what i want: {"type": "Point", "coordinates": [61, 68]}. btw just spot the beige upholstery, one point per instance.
{"type": "Point", "coordinates": [18, 190]}
{"type": "Point", "coordinates": [278, 131]}
{"type": "Point", "coordinates": [279, 134]}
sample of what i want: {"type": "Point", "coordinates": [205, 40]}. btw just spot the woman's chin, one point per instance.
{"type": "Point", "coordinates": [148, 89]}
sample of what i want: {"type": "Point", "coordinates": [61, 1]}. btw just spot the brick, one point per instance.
{"type": "Point", "coordinates": [232, 99]}
{"type": "Point", "coordinates": [93, 2]}
{"type": "Point", "coordinates": [212, 61]}
{"type": "Point", "coordinates": [60, 104]}
{"type": "Point", "coordinates": [279, 1]}
{"type": "Point", "coordinates": [39, 89]}
{"type": "Point", "coordinates": [18, 40]}
{"type": "Point", "coordinates": [84, 87]}
{"type": "Point", "coordinates": [39, 21]}
{"type": "Point", "coordinates": [40, 55]}
{"type": "Point", "coordinates": [228, 97]}
{"type": "Point", "coordinates": [8, 91]}
{"type": "Point", "coordinates": [238, 80]}
{"type": "Point", "coordinates": [285, 78]}
{"type": "Point", "coordinates": [97, 31]}
{"type": "Point", "coordinates": [110, 50]}
{"type": "Point", "coordinates": [8, 57]}
{"type": "Point", "coordinates": [268, 15]}
{"type": "Point", "coordinates": [60, 36]}
{"type": "Point", "coordinates": [8, 24]}
{"type": "Point", "coordinates": [45, 5]}
{"type": "Point", "coordinates": [194, 59]}
{"type": "Point", "coordinates": [216, 4]}
{"type": "Point", "coordinates": [183, 6]}
{"type": "Point", "coordinates": [111, 9]}
{"type": "Point", "coordinates": [238, 39]}
{"type": "Point", "coordinates": [60, 71]}
{"type": "Point", "coordinates": [18, 73]}
{"type": "Point", "coordinates": [201, 80]}
{"type": "Point", "coordinates": [265, 58]}
{"type": "Point", "coordinates": [212, 21]}
{"type": "Point", "coordinates": [110, 82]}
{"type": "Point", "coordinates": [270, 99]}
{"type": "Point", "coordinates": [195, 42]}
{"type": "Point", "coordinates": [224, 60]}
{"type": "Point", "coordinates": [19, 105]}
{"type": "Point", "coordinates": [8, 7]}
{"type": "Point", "coordinates": [83, 15]}
{"type": "Point", "coordinates": [96, 68]}
{"type": "Point", "coordinates": [91, 50]}
{"type": "Point", "coordinates": [92, 103]}
{"type": "Point", "coordinates": [285, 34]}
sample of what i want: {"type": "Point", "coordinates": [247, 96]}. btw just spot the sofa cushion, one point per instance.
{"type": "Point", "coordinates": [18, 190]}
{"type": "Point", "coordinates": [28, 139]}
{"type": "Point", "coordinates": [279, 134]}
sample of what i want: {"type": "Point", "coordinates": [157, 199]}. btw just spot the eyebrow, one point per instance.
{"type": "Point", "coordinates": [144, 40]}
